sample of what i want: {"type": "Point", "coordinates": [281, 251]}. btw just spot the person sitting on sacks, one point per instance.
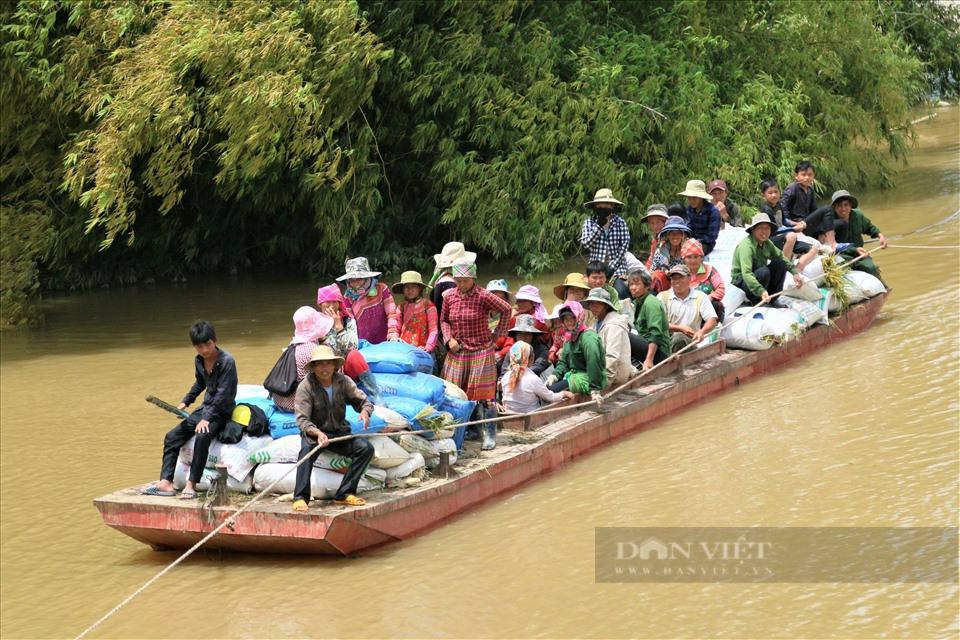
{"type": "Point", "coordinates": [850, 226]}
{"type": "Point", "coordinates": [370, 303]}
{"type": "Point", "coordinates": [703, 276]}
{"type": "Point", "coordinates": [783, 238]}
{"type": "Point", "coordinates": [650, 345]}
{"type": "Point", "coordinates": [669, 254]}
{"type": "Point", "coordinates": [215, 375]}
{"type": "Point", "coordinates": [729, 210]}
{"type": "Point", "coordinates": [656, 218]}
{"type": "Point", "coordinates": [759, 268]}
{"type": "Point", "coordinates": [606, 236]}
{"type": "Point", "coordinates": [521, 386]}
{"type": "Point", "coordinates": [690, 316]}
{"type": "Point", "coordinates": [417, 315]}
{"type": "Point", "coordinates": [614, 331]}
{"type": "Point", "coordinates": [309, 327]}
{"type": "Point", "coordinates": [321, 409]}
{"type": "Point", "coordinates": [703, 217]}
{"type": "Point", "coordinates": [343, 340]}
{"type": "Point", "coordinates": [582, 367]}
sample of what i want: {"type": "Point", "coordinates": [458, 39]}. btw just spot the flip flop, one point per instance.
{"type": "Point", "coordinates": [153, 491]}
{"type": "Point", "coordinates": [188, 494]}
{"type": "Point", "coordinates": [301, 505]}
{"type": "Point", "coordinates": [351, 500]}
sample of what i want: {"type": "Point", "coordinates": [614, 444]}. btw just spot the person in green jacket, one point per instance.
{"type": "Point", "coordinates": [650, 345]}
{"type": "Point", "coordinates": [759, 268]}
{"type": "Point", "coordinates": [583, 362]}
{"type": "Point", "coordinates": [850, 225]}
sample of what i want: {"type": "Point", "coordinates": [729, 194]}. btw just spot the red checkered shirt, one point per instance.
{"type": "Point", "coordinates": [464, 317]}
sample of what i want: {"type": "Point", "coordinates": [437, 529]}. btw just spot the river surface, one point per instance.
{"type": "Point", "coordinates": [862, 434]}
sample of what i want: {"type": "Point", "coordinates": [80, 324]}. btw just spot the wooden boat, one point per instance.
{"type": "Point", "coordinates": [527, 449]}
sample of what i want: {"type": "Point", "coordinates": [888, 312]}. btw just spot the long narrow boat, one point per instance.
{"type": "Point", "coordinates": [526, 450]}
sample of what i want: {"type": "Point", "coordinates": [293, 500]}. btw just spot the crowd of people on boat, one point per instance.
{"type": "Point", "coordinates": [505, 350]}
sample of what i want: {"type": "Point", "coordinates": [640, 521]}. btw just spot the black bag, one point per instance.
{"type": "Point", "coordinates": [245, 417]}
{"type": "Point", "coordinates": [282, 379]}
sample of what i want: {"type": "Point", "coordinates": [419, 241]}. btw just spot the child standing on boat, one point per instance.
{"type": "Point", "coordinates": [417, 315]}
{"type": "Point", "coordinates": [216, 375]}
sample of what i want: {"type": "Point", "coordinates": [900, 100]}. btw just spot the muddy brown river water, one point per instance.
{"type": "Point", "coordinates": [864, 434]}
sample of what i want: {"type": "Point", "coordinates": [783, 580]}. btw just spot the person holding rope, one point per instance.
{"type": "Point", "coordinates": [321, 410]}
{"type": "Point", "coordinates": [759, 268]}
{"type": "Point", "coordinates": [850, 226]}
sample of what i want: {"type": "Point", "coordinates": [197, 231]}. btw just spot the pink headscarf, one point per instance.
{"type": "Point", "coordinates": [331, 293]}
{"type": "Point", "coordinates": [581, 317]}
{"type": "Point", "coordinates": [532, 294]}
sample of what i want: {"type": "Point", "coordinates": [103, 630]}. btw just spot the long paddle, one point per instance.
{"type": "Point", "coordinates": [166, 406]}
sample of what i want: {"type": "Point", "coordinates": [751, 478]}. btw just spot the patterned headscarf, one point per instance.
{"type": "Point", "coordinates": [331, 293]}
{"type": "Point", "coordinates": [581, 317]}
{"type": "Point", "coordinates": [369, 284]}
{"type": "Point", "coordinates": [519, 359]}
{"type": "Point", "coordinates": [691, 247]}
{"type": "Point", "coordinates": [464, 270]}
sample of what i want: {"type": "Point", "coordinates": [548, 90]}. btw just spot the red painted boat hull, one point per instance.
{"type": "Point", "coordinates": [272, 527]}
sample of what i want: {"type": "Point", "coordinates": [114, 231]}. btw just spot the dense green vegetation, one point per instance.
{"type": "Point", "coordinates": [148, 140]}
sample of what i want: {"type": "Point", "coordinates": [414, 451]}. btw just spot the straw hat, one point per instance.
{"type": "Point", "coordinates": [324, 353]}
{"type": "Point", "coordinates": [600, 295]}
{"type": "Point", "coordinates": [761, 218]}
{"type": "Point", "coordinates": [696, 189]}
{"type": "Point", "coordinates": [453, 252]}
{"type": "Point", "coordinates": [501, 285]}
{"type": "Point", "coordinates": [572, 280]}
{"type": "Point", "coordinates": [358, 268]}
{"type": "Point", "coordinates": [311, 325]}
{"type": "Point", "coordinates": [603, 196]}
{"type": "Point", "coordinates": [409, 277]}
{"type": "Point", "coordinates": [525, 323]}
{"type": "Point", "coordinates": [843, 194]}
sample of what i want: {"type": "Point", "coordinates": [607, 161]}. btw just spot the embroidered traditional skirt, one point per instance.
{"type": "Point", "coordinates": [473, 371]}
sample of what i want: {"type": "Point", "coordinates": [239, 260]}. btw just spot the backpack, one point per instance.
{"type": "Point", "coordinates": [245, 417]}
{"type": "Point", "coordinates": [282, 379]}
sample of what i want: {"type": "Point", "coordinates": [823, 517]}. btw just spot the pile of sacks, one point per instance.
{"type": "Point", "coordinates": [412, 396]}
{"type": "Point", "coordinates": [805, 306]}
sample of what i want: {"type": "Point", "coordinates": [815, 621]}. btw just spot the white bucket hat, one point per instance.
{"type": "Point", "coordinates": [452, 253]}
{"type": "Point", "coordinates": [696, 189]}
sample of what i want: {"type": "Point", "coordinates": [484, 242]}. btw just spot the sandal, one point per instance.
{"type": "Point", "coordinates": [188, 494]}
{"type": "Point", "coordinates": [301, 505]}
{"type": "Point", "coordinates": [351, 500]}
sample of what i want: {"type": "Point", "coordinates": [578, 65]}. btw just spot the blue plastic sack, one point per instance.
{"type": "Point", "coordinates": [408, 408]}
{"type": "Point", "coordinates": [397, 357]}
{"type": "Point", "coordinates": [420, 386]}
{"type": "Point", "coordinates": [376, 422]}
{"type": "Point", "coordinates": [460, 409]}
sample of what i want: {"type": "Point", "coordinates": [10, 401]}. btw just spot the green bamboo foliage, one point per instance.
{"type": "Point", "coordinates": [210, 135]}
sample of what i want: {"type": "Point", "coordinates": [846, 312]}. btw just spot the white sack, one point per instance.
{"type": "Point", "coordinates": [387, 453]}
{"type": "Point", "coordinates": [403, 470]}
{"type": "Point", "coordinates": [323, 482]}
{"type": "Point", "coordinates": [182, 471]}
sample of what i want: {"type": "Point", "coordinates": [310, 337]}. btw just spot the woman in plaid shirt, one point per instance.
{"type": "Point", "coordinates": [471, 361]}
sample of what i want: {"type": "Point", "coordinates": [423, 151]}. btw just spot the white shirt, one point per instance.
{"type": "Point", "coordinates": [526, 396]}
{"type": "Point", "coordinates": [684, 311]}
